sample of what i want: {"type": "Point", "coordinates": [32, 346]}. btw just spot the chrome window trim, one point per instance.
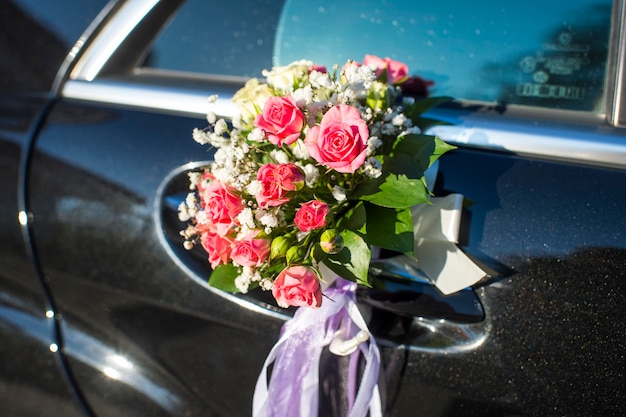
{"type": "Point", "coordinates": [112, 35]}
{"type": "Point", "coordinates": [147, 97]}
{"type": "Point", "coordinates": [616, 87]}
{"type": "Point", "coordinates": [590, 143]}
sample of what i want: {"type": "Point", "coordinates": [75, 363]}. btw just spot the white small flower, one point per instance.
{"type": "Point", "coordinates": [191, 200]}
{"type": "Point", "coordinates": [256, 277]}
{"type": "Point", "coordinates": [257, 135]}
{"type": "Point", "coordinates": [242, 181]}
{"type": "Point", "coordinates": [220, 127]}
{"type": "Point", "coordinates": [372, 168]}
{"type": "Point", "coordinates": [339, 193]}
{"type": "Point", "coordinates": [367, 114]}
{"type": "Point", "coordinates": [299, 150]}
{"type": "Point", "coordinates": [266, 284]}
{"type": "Point", "coordinates": [320, 79]}
{"type": "Point", "coordinates": [279, 156]}
{"type": "Point", "coordinates": [267, 219]}
{"type": "Point", "coordinates": [200, 136]}
{"type": "Point", "coordinates": [389, 129]}
{"type": "Point", "coordinates": [194, 179]}
{"type": "Point", "coordinates": [311, 174]}
{"type": "Point", "coordinates": [183, 213]}
{"type": "Point", "coordinates": [242, 283]}
{"type": "Point", "coordinates": [349, 96]}
{"type": "Point", "coordinates": [212, 98]}
{"type": "Point", "coordinates": [240, 152]}
{"type": "Point", "coordinates": [235, 136]}
{"type": "Point", "coordinates": [245, 217]}
{"type": "Point", "coordinates": [202, 218]}
{"type": "Point", "coordinates": [218, 140]}
{"type": "Point", "coordinates": [303, 96]}
{"type": "Point", "coordinates": [189, 232]}
{"type": "Point", "coordinates": [413, 130]}
{"type": "Point", "coordinates": [373, 143]}
{"type": "Point", "coordinates": [255, 187]}
{"type": "Point", "coordinates": [399, 120]}
{"type": "Point", "coordinates": [211, 117]}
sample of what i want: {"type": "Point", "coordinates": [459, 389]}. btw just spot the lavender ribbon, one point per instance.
{"type": "Point", "coordinates": [293, 387]}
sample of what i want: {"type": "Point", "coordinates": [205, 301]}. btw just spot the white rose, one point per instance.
{"type": "Point", "coordinates": [288, 77]}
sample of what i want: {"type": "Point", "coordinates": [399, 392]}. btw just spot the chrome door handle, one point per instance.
{"type": "Point", "coordinates": [399, 287]}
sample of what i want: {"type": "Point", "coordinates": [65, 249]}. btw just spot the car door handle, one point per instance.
{"type": "Point", "coordinates": [398, 286]}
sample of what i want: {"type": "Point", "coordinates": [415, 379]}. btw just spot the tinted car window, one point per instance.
{"type": "Point", "coordinates": [534, 52]}
{"type": "Point", "coordinates": [234, 37]}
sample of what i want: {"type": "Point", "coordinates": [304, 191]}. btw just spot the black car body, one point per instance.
{"type": "Point", "coordinates": [103, 313]}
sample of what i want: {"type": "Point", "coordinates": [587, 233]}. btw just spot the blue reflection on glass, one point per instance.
{"type": "Point", "coordinates": [518, 52]}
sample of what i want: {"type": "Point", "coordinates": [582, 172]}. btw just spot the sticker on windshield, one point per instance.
{"type": "Point", "coordinates": [552, 72]}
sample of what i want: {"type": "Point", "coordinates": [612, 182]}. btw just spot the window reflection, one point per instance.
{"type": "Point", "coordinates": [534, 52]}
{"type": "Point", "coordinates": [538, 53]}
{"type": "Point", "coordinates": [233, 37]}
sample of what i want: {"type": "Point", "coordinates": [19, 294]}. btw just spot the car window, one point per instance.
{"type": "Point", "coordinates": [234, 37]}
{"type": "Point", "coordinates": [536, 52]}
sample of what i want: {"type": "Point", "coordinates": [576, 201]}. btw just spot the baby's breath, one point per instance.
{"type": "Point", "coordinates": [268, 174]}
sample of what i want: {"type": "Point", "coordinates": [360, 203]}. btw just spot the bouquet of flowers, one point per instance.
{"type": "Point", "coordinates": [319, 167]}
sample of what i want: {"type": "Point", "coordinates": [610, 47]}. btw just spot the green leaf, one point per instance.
{"type": "Point", "coordinates": [353, 261]}
{"type": "Point", "coordinates": [223, 278]}
{"type": "Point", "coordinates": [415, 110]}
{"type": "Point", "coordinates": [354, 218]}
{"type": "Point", "coordinates": [391, 229]}
{"type": "Point", "coordinates": [424, 123]}
{"type": "Point", "coordinates": [399, 186]}
{"type": "Point", "coordinates": [424, 149]}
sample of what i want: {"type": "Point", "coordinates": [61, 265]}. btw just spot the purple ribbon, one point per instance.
{"type": "Point", "coordinates": [293, 388]}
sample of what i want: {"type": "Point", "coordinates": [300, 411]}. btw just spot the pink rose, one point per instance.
{"type": "Point", "coordinates": [311, 215]}
{"type": "Point", "coordinates": [221, 206]}
{"type": "Point", "coordinates": [396, 70]}
{"type": "Point", "coordinates": [340, 141]}
{"type": "Point", "coordinates": [281, 119]}
{"type": "Point", "coordinates": [297, 286]}
{"type": "Point", "coordinates": [218, 247]}
{"type": "Point", "coordinates": [250, 251]}
{"type": "Point", "coordinates": [318, 68]}
{"type": "Point", "coordinates": [277, 181]}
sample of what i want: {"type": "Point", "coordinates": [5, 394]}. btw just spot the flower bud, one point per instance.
{"type": "Point", "coordinates": [295, 255]}
{"type": "Point", "coordinates": [379, 96]}
{"type": "Point", "coordinates": [279, 247]}
{"type": "Point", "coordinates": [331, 241]}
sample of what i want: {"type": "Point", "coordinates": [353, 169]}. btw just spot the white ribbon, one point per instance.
{"type": "Point", "coordinates": [436, 232]}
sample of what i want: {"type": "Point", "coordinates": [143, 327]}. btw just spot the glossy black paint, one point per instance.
{"type": "Point", "coordinates": [140, 333]}
{"type": "Point", "coordinates": [33, 380]}
{"type": "Point", "coordinates": [551, 342]}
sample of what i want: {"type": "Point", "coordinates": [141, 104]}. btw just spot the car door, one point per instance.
{"type": "Point", "coordinates": [540, 162]}
{"type": "Point", "coordinates": [33, 45]}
